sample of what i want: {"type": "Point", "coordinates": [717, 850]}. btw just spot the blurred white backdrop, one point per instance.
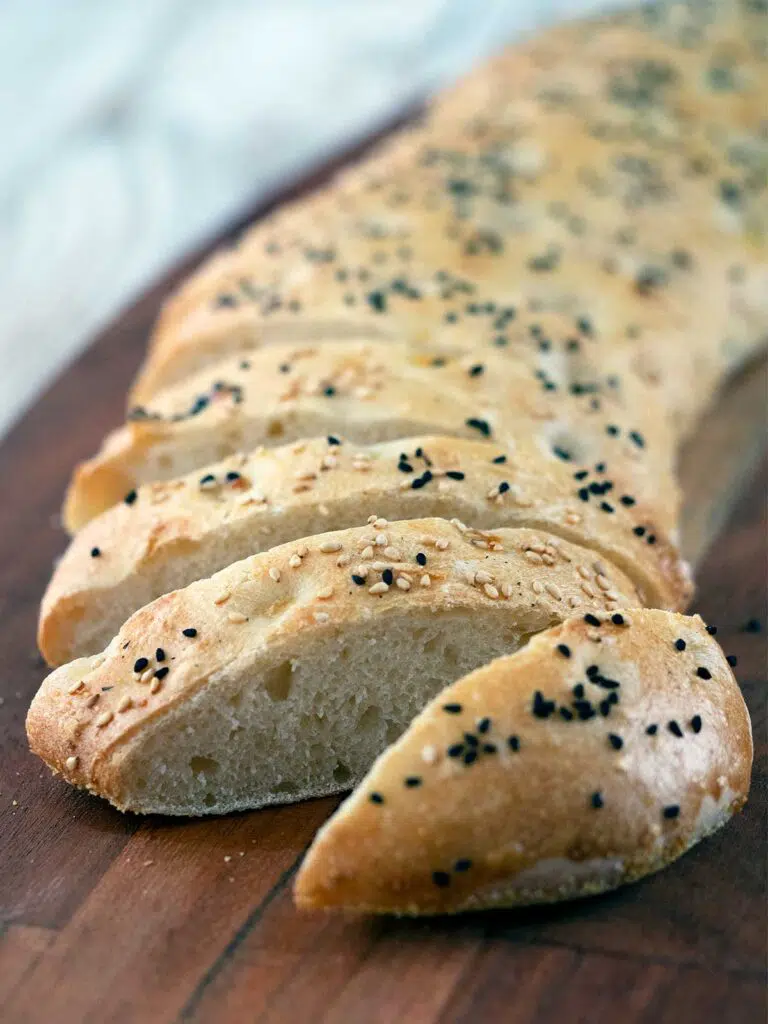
{"type": "Point", "coordinates": [131, 129]}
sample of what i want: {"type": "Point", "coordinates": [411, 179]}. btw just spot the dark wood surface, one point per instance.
{"type": "Point", "coordinates": [106, 917]}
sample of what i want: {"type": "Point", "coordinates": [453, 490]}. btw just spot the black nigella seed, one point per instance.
{"type": "Point", "coordinates": [566, 714]}
{"type": "Point", "coordinates": [712, 630]}
{"type": "Point", "coordinates": [591, 620]}
{"type": "Point", "coordinates": [638, 531]}
{"type": "Point", "coordinates": [452, 709]}
{"type": "Point", "coordinates": [674, 728]}
{"type": "Point", "coordinates": [696, 723]}
{"type": "Point", "coordinates": [95, 552]}
{"type": "Point", "coordinates": [454, 474]}
{"type": "Point", "coordinates": [455, 750]}
{"type": "Point", "coordinates": [578, 691]}
{"type": "Point", "coordinates": [628, 500]}
{"type": "Point", "coordinates": [606, 507]}
{"type": "Point", "coordinates": [679, 645]}
{"type": "Point", "coordinates": [499, 460]}
{"type": "Point", "coordinates": [130, 497]}
{"type": "Point", "coordinates": [232, 476]}
{"type": "Point", "coordinates": [162, 672]}
{"type": "Point", "coordinates": [388, 577]}
{"type": "Point", "coordinates": [209, 478]}
{"type": "Point", "coordinates": [599, 467]}
{"type": "Point", "coordinates": [470, 757]}
{"type": "Point", "coordinates": [563, 649]}
{"type": "Point", "coordinates": [605, 707]}
{"type": "Point", "coordinates": [612, 430]}
{"type": "Point", "coordinates": [582, 474]}
{"type": "Point", "coordinates": [476, 370]}
{"type": "Point", "coordinates": [376, 798]}
{"type": "Point", "coordinates": [651, 538]}
{"type": "Point", "coordinates": [617, 619]}
{"type": "Point", "coordinates": [412, 781]}
{"type": "Point", "coordinates": [752, 626]}
{"type": "Point", "coordinates": [483, 725]}
{"type": "Point", "coordinates": [140, 664]}
{"type": "Point", "coordinates": [359, 580]}
{"type": "Point", "coordinates": [703, 673]}
{"type": "Point", "coordinates": [652, 730]}
{"type": "Point", "coordinates": [503, 487]}
{"type": "Point", "coordinates": [596, 800]}
{"type": "Point", "coordinates": [329, 391]}
{"type": "Point", "coordinates": [637, 438]}
{"type": "Point", "coordinates": [404, 467]}
{"type": "Point", "coordinates": [477, 424]}
{"type": "Point", "coordinates": [190, 631]}
{"type": "Point", "coordinates": [333, 440]}
{"type": "Point", "coordinates": [616, 741]}
{"type": "Point", "coordinates": [732, 660]}
{"type": "Point", "coordinates": [462, 865]}
{"type": "Point", "coordinates": [377, 301]}
{"type": "Point", "coordinates": [583, 493]}
{"type": "Point", "coordinates": [561, 453]}
{"type": "Point", "coordinates": [584, 710]}
{"type": "Point", "coordinates": [672, 811]}
{"type": "Point", "coordinates": [421, 558]}
{"type": "Point", "coordinates": [441, 879]}
{"type": "Point", "coordinates": [542, 708]}
{"type": "Point", "coordinates": [159, 654]}
{"type": "Point", "coordinates": [593, 670]}
{"type": "Point", "coordinates": [470, 739]}
{"type": "Point", "coordinates": [489, 748]}
{"type": "Point", "coordinates": [513, 742]}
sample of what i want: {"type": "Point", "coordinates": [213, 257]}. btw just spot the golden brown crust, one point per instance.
{"type": "Point", "coordinates": [88, 711]}
{"type": "Point", "coordinates": [180, 530]}
{"type": "Point", "coordinates": [493, 798]}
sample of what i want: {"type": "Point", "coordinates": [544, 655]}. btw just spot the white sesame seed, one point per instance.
{"type": "Point", "coordinates": [294, 561]}
{"type": "Point", "coordinates": [483, 544]}
{"type": "Point", "coordinates": [381, 540]}
{"type": "Point", "coordinates": [506, 589]}
{"type": "Point", "coordinates": [553, 591]}
{"type": "Point", "coordinates": [71, 763]}
{"type": "Point", "coordinates": [343, 560]}
{"type": "Point", "coordinates": [302, 550]}
{"type": "Point", "coordinates": [603, 582]}
{"type": "Point", "coordinates": [367, 552]}
{"type": "Point", "coordinates": [379, 566]}
{"type": "Point", "coordinates": [380, 523]}
{"type": "Point", "coordinates": [104, 719]}
{"type": "Point", "coordinates": [146, 675]}
{"type": "Point", "coordinates": [321, 616]}
{"type": "Point", "coordinates": [533, 558]}
{"type": "Point", "coordinates": [586, 589]}
{"type": "Point", "coordinates": [402, 584]}
{"type": "Point", "coordinates": [274, 574]}
{"type": "Point", "coordinates": [125, 703]}
{"type": "Point", "coordinates": [73, 689]}
{"type": "Point", "coordinates": [394, 553]}
{"type": "Point", "coordinates": [92, 700]}
{"type": "Point", "coordinates": [329, 462]}
{"type": "Point", "coordinates": [496, 546]}
{"type": "Point", "coordinates": [491, 591]}
{"type": "Point", "coordinates": [155, 685]}
{"type": "Point", "coordinates": [324, 594]}
{"type": "Point", "coordinates": [483, 577]}
{"type": "Point", "coordinates": [237, 617]}
{"type": "Point", "coordinates": [222, 598]}
{"type": "Point", "coordinates": [361, 570]}
{"type": "Point", "coordinates": [372, 519]}
{"type": "Point", "coordinates": [329, 546]}
{"type": "Point", "coordinates": [305, 474]}
{"type": "Point", "coordinates": [574, 600]}
{"type": "Point", "coordinates": [425, 580]}
{"type": "Point", "coordinates": [429, 754]}
{"type": "Point", "coordinates": [404, 485]}
{"type": "Point", "coordinates": [442, 544]}
{"type": "Point", "coordinates": [537, 587]}
{"type": "Point", "coordinates": [584, 572]}
{"type": "Point", "coordinates": [378, 588]}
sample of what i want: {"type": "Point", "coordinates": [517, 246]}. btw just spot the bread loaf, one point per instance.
{"type": "Point", "coordinates": [595, 755]}
{"type": "Point", "coordinates": [488, 339]}
{"type": "Point", "coordinates": [303, 663]}
{"type": "Point", "coordinates": [184, 529]}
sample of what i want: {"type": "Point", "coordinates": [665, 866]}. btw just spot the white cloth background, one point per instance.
{"type": "Point", "coordinates": [131, 129]}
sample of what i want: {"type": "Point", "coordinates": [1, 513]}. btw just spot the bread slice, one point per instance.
{"type": "Point", "coordinates": [181, 530]}
{"type": "Point", "coordinates": [284, 675]}
{"type": "Point", "coordinates": [595, 755]}
{"type": "Point", "coordinates": [373, 392]}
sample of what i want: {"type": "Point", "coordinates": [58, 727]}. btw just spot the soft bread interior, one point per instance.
{"type": "Point", "coordinates": [303, 726]}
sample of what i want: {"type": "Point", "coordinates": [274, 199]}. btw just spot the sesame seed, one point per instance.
{"type": "Point", "coordinates": [104, 719]}
{"type": "Point", "coordinates": [294, 561]}
{"type": "Point", "coordinates": [378, 588]}
{"type": "Point", "coordinates": [125, 703]}
{"type": "Point", "coordinates": [237, 617]}
{"type": "Point", "coordinates": [554, 592]}
{"type": "Point", "coordinates": [329, 546]}
{"type": "Point", "coordinates": [155, 685]}
{"type": "Point", "coordinates": [442, 544]}
{"type": "Point", "coordinates": [274, 574]}
{"type": "Point", "coordinates": [425, 580]}
{"type": "Point", "coordinates": [75, 687]}
{"type": "Point", "coordinates": [321, 617]}
{"type": "Point", "coordinates": [222, 598]}
{"type": "Point", "coordinates": [92, 700]}
{"type": "Point", "coordinates": [71, 763]}
{"type": "Point", "coordinates": [490, 591]}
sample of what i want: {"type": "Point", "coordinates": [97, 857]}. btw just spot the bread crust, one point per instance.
{"type": "Point", "coordinates": [184, 529]}
{"type": "Point", "coordinates": [534, 808]}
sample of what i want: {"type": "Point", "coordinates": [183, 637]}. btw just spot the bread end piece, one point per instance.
{"type": "Point", "coordinates": [519, 784]}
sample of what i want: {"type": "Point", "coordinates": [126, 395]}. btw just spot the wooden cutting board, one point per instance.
{"type": "Point", "coordinates": [107, 917]}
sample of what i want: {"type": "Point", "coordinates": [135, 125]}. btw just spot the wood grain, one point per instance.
{"type": "Point", "coordinates": [108, 917]}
